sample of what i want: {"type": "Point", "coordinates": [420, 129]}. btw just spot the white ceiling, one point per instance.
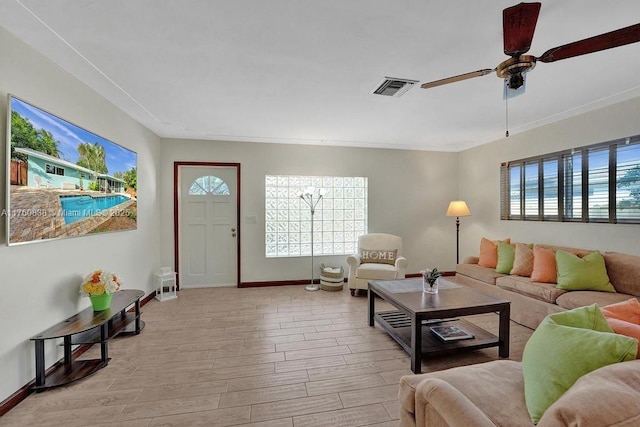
{"type": "Point", "coordinates": [301, 71]}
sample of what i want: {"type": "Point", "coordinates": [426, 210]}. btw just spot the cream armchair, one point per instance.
{"type": "Point", "coordinates": [379, 257]}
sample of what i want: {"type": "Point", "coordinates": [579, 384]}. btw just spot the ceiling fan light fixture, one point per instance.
{"type": "Point", "coordinates": [516, 81]}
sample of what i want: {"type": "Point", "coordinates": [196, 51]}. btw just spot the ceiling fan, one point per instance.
{"type": "Point", "coordinates": [519, 24]}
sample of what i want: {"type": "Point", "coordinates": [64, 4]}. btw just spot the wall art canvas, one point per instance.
{"type": "Point", "coordinates": [63, 180]}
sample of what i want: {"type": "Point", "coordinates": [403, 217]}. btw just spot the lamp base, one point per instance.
{"type": "Point", "coordinates": [312, 288]}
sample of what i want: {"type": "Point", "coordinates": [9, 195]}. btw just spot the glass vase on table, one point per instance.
{"type": "Point", "coordinates": [430, 280]}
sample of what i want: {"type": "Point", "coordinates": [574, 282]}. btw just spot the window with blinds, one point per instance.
{"type": "Point", "coordinates": [596, 183]}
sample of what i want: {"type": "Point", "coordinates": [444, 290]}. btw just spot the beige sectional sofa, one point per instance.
{"type": "Point", "coordinates": [533, 301]}
{"type": "Point", "coordinates": [492, 394]}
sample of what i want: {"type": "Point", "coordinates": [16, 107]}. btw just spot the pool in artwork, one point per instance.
{"type": "Point", "coordinates": [75, 208]}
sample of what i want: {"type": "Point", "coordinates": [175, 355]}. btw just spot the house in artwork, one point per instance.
{"type": "Point", "coordinates": [110, 184]}
{"type": "Point", "coordinates": [45, 171]}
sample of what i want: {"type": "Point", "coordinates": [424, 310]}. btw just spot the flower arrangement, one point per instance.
{"type": "Point", "coordinates": [100, 282]}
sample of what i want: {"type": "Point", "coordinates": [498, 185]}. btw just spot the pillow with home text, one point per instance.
{"type": "Point", "coordinates": [378, 256]}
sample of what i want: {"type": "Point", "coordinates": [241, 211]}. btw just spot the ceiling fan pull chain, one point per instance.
{"type": "Point", "coordinates": [506, 108]}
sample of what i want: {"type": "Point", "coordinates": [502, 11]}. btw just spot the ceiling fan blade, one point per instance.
{"type": "Point", "coordinates": [454, 79]}
{"type": "Point", "coordinates": [609, 40]}
{"type": "Point", "coordinates": [518, 24]}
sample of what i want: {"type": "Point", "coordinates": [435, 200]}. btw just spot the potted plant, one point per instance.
{"type": "Point", "coordinates": [430, 280]}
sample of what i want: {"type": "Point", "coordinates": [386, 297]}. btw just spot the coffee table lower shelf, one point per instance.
{"type": "Point", "coordinates": [398, 325]}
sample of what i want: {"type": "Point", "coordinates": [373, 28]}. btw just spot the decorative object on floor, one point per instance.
{"type": "Point", "coordinates": [331, 278]}
{"type": "Point", "coordinates": [100, 286]}
{"type": "Point", "coordinates": [458, 208]}
{"type": "Point", "coordinates": [308, 196]}
{"type": "Point", "coordinates": [166, 277]}
{"type": "Point", "coordinates": [430, 280]}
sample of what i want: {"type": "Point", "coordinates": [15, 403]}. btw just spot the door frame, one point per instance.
{"type": "Point", "coordinates": [176, 220]}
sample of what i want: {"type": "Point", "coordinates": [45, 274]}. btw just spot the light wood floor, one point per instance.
{"type": "Point", "coordinates": [271, 357]}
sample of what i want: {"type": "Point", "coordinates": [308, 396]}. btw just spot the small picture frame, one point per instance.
{"type": "Point", "coordinates": [451, 333]}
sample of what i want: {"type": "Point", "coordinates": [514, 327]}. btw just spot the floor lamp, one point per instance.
{"type": "Point", "coordinates": [458, 208]}
{"type": "Point", "coordinates": [308, 196]}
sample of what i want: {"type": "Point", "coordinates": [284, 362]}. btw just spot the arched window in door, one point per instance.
{"type": "Point", "coordinates": [209, 185]}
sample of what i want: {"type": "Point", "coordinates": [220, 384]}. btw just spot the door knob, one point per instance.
{"type": "Point", "coordinates": [233, 234]}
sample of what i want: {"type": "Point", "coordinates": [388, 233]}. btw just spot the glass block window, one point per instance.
{"type": "Point", "coordinates": [340, 215]}
{"type": "Point", "coordinates": [209, 185]}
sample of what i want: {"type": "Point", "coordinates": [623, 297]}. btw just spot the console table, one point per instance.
{"type": "Point", "coordinates": [87, 327]}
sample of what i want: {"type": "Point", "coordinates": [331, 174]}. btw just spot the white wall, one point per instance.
{"type": "Point", "coordinates": [40, 281]}
{"type": "Point", "coordinates": [480, 183]}
{"type": "Point", "coordinates": [409, 192]}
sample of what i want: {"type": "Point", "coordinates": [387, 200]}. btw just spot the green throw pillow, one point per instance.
{"type": "Point", "coordinates": [582, 274]}
{"type": "Point", "coordinates": [563, 348]}
{"type": "Point", "coordinates": [506, 256]}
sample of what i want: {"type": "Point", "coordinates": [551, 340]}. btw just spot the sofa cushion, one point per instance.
{"type": "Point", "coordinates": [544, 265]}
{"type": "Point", "coordinates": [496, 388]}
{"type": "Point", "coordinates": [523, 261]}
{"type": "Point", "coordinates": [616, 386]}
{"type": "Point", "coordinates": [506, 255]}
{"type": "Point", "coordinates": [565, 347]}
{"type": "Point", "coordinates": [478, 272]}
{"type": "Point", "coordinates": [624, 272]}
{"type": "Point", "coordinates": [523, 285]}
{"type": "Point", "coordinates": [376, 271]}
{"type": "Point", "coordinates": [489, 252]}
{"type": "Point", "coordinates": [574, 299]}
{"type": "Point", "coordinates": [582, 274]}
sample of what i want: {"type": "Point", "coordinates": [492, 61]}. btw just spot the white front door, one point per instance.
{"type": "Point", "coordinates": [208, 228]}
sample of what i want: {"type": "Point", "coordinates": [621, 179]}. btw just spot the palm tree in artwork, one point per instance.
{"type": "Point", "coordinates": [92, 156]}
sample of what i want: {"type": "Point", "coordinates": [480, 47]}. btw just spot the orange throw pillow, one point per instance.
{"type": "Point", "coordinates": [627, 329]}
{"type": "Point", "coordinates": [624, 318]}
{"type": "Point", "coordinates": [628, 310]}
{"type": "Point", "coordinates": [544, 265]}
{"type": "Point", "coordinates": [489, 252]}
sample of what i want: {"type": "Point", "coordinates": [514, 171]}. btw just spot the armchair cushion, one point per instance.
{"type": "Point", "coordinates": [376, 271]}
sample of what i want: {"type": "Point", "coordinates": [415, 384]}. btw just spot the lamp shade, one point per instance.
{"type": "Point", "coordinates": [458, 208]}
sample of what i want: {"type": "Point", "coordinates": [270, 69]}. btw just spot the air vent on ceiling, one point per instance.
{"type": "Point", "coordinates": [390, 86]}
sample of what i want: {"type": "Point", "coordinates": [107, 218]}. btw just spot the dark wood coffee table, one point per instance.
{"type": "Point", "coordinates": [417, 311]}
